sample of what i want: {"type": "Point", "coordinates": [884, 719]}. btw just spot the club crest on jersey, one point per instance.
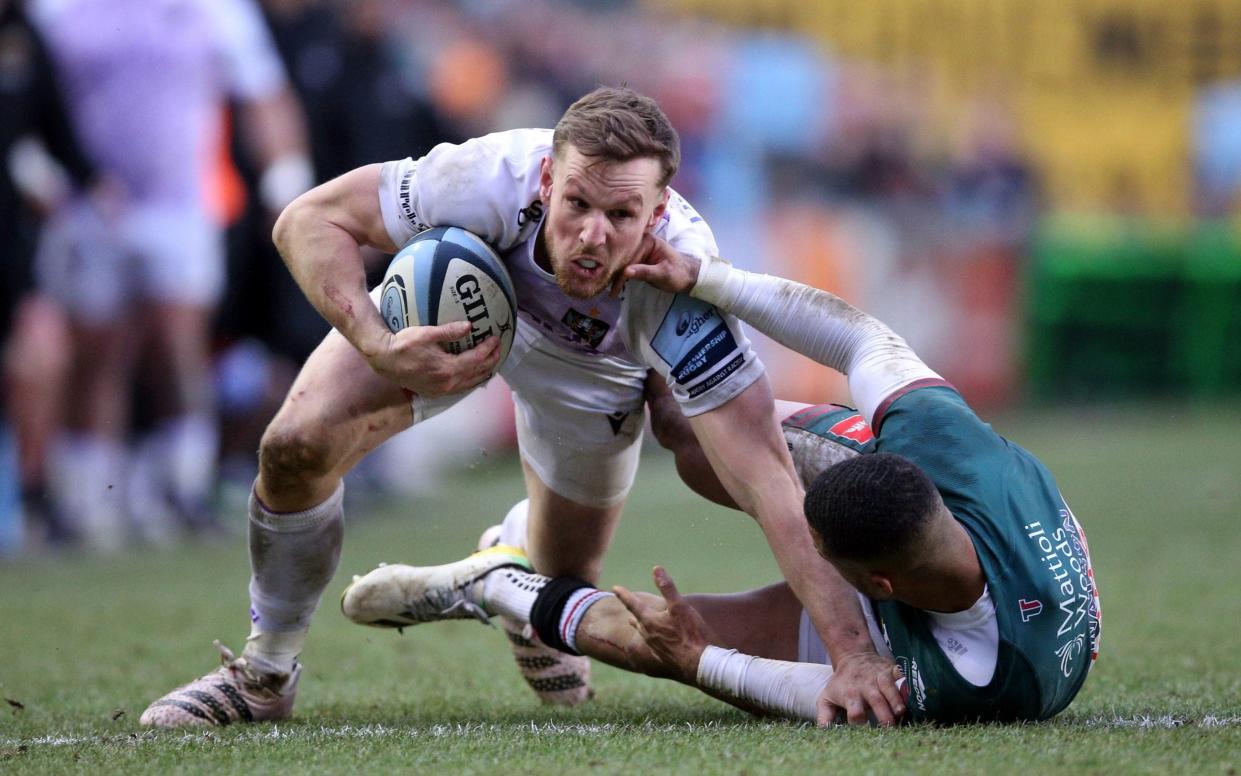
{"type": "Point", "coordinates": [590, 329]}
{"type": "Point", "coordinates": [1029, 609]}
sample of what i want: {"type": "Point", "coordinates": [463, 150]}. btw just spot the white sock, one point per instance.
{"type": "Point", "coordinates": [86, 478]}
{"type": "Point", "coordinates": [149, 511]}
{"type": "Point", "coordinates": [292, 558]}
{"type": "Point", "coordinates": [575, 610]}
{"type": "Point", "coordinates": [511, 592]}
{"type": "Point", "coordinates": [191, 445]}
{"type": "Point", "coordinates": [513, 528]}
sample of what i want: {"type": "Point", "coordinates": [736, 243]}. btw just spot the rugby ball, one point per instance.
{"type": "Point", "coordinates": [447, 274]}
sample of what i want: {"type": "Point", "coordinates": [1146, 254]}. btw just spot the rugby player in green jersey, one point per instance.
{"type": "Point", "coordinates": [971, 570]}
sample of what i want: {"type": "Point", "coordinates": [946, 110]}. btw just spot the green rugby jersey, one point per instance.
{"type": "Point", "coordinates": [1032, 551]}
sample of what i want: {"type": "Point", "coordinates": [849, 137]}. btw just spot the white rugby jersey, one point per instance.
{"type": "Point", "coordinates": [490, 186]}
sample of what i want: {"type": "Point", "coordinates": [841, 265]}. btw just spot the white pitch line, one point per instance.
{"type": "Point", "coordinates": [473, 730]}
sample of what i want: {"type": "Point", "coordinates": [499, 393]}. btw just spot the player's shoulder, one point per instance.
{"type": "Point", "coordinates": [487, 184]}
{"type": "Point", "coordinates": [521, 145]}
{"type": "Point", "coordinates": [684, 229]}
{"type": "Point", "coordinates": [508, 156]}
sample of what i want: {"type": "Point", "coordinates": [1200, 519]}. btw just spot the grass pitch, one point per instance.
{"type": "Point", "coordinates": [87, 642]}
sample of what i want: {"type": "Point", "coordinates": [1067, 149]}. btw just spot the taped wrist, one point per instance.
{"type": "Point", "coordinates": [549, 606]}
{"type": "Point", "coordinates": [778, 686]}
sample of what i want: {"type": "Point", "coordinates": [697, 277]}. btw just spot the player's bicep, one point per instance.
{"type": "Point", "coordinates": [349, 203]}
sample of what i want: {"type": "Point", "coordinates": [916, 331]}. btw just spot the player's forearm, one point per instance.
{"type": "Point", "coordinates": [830, 601]}
{"type": "Point", "coordinates": [817, 324]}
{"type": "Point", "coordinates": [325, 260]}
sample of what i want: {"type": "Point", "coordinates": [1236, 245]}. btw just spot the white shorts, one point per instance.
{"type": "Point", "coordinates": [159, 253]}
{"type": "Point", "coordinates": [810, 648]}
{"type": "Point", "coordinates": [579, 419]}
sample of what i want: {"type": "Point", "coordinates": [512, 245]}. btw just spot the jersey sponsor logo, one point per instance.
{"type": "Point", "coordinates": [1029, 609]}
{"type": "Point", "coordinates": [592, 330]}
{"type": "Point", "coordinates": [1062, 551]}
{"type": "Point", "coordinates": [616, 420]}
{"type": "Point", "coordinates": [1094, 613]}
{"type": "Point", "coordinates": [718, 344]}
{"type": "Point", "coordinates": [530, 214]}
{"type": "Point", "coordinates": [718, 377]}
{"type": "Point", "coordinates": [405, 200]}
{"type": "Point", "coordinates": [917, 689]}
{"type": "Point", "coordinates": [1069, 650]}
{"type": "Point", "coordinates": [695, 341]}
{"type": "Point", "coordinates": [854, 428]}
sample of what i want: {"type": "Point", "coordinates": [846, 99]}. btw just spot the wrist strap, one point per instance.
{"type": "Point", "coordinates": [717, 281]}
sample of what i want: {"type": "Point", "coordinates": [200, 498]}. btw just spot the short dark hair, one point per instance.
{"type": "Point", "coordinates": [871, 507]}
{"type": "Point", "coordinates": [616, 124]}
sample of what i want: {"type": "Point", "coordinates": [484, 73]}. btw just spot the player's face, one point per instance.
{"type": "Point", "coordinates": [597, 215]}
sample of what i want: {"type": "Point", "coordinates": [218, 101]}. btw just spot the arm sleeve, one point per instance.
{"type": "Point", "coordinates": [819, 325]}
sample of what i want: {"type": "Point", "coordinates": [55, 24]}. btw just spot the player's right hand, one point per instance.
{"type": "Point", "coordinates": [415, 359]}
{"type": "Point", "coordinates": [662, 266]}
{"type": "Point", "coordinates": [864, 688]}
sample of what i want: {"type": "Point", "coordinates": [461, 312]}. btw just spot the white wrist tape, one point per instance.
{"type": "Point", "coordinates": [818, 325]}
{"type": "Point", "coordinates": [717, 282]}
{"type": "Point", "coordinates": [284, 180]}
{"type": "Point", "coordinates": [784, 688]}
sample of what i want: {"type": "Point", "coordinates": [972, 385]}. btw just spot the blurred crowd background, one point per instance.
{"type": "Point", "coordinates": [1043, 198]}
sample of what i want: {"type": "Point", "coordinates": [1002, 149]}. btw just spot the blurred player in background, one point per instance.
{"type": "Point", "coordinates": [33, 125]}
{"type": "Point", "coordinates": [568, 210]}
{"type": "Point", "coordinates": [148, 82]}
{"type": "Point", "coordinates": [973, 572]}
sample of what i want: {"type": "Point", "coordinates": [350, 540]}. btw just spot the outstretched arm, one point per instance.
{"type": "Point", "coordinates": [809, 320]}
{"type": "Point", "coordinates": [675, 639]}
{"type": "Point", "coordinates": [748, 452]}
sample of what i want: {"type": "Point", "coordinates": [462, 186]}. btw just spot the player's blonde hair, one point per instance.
{"type": "Point", "coordinates": [617, 124]}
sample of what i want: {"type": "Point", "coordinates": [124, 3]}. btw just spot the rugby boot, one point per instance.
{"type": "Point", "coordinates": [556, 677]}
{"type": "Point", "coordinates": [397, 596]}
{"type": "Point", "coordinates": [240, 690]}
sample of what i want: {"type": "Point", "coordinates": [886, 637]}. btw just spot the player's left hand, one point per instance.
{"type": "Point", "coordinates": [863, 688]}
{"type": "Point", "coordinates": [675, 632]}
{"type": "Point", "coordinates": [660, 265]}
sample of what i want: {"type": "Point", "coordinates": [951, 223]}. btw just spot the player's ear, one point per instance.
{"type": "Point", "coordinates": [545, 179]}
{"type": "Point", "coordinates": [659, 209]}
{"type": "Point", "coordinates": [881, 584]}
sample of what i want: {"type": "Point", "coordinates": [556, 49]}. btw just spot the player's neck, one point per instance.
{"type": "Point", "coordinates": [950, 581]}
{"type": "Point", "coordinates": [541, 257]}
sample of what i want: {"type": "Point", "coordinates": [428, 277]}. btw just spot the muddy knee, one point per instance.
{"type": "Point", "coordinates": [295, 459]}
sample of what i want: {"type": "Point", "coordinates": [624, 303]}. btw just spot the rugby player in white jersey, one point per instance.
{"type": "Point", "coordinates": [568, 211]}
{"type": "Point", "coordinates": [148, 83]}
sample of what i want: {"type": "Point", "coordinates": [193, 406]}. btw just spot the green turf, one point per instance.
{"type": "Point", "coordinates": [87, 642]}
